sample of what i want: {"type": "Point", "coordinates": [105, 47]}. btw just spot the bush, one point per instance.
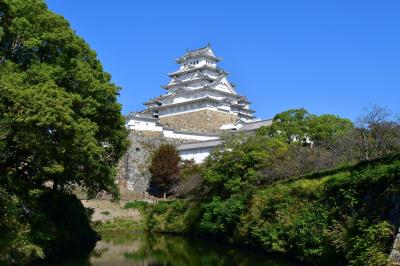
{"type": "Point", "coordinates": [15, 245]}
{"type": "Point", "coordinates": [178, 216]}
{"type": "Point", "coordinates": [221, 217]}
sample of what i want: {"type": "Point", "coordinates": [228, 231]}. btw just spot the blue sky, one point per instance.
{"type": "Point", "coordinates": [333, 56]}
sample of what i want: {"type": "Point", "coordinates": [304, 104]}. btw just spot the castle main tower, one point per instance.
{"type": "Point", "coordinates": [199, 96]}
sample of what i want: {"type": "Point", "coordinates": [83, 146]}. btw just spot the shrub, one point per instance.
{"type": "Point", "coordinates": [178, 216]}
{"type": "Point", "coordinates": [221, 217]}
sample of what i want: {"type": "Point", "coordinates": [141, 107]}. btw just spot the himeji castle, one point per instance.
{"type": "Point", "coordinates": [199, 104]}
{"type": "Point", "coordinates": [199, 84]}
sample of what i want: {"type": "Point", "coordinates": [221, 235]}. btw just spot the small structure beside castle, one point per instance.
{"type": "Point", "coordinates": [199, 105]}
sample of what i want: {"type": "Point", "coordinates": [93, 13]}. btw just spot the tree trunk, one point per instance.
{"type": "Point", "coordinates": [365, 143]}
{"type": "Point", "coordinates": [55, 184]}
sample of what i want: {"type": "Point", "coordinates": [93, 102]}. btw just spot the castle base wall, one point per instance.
{"type": "Point", "coordinates": [207, 121]}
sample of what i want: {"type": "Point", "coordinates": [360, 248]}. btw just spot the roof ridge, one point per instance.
{"type": "Point", "coordinates": [198, 49]}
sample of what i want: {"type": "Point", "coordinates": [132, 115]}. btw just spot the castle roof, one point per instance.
{"type": "Point", "coordinates": [241, 99]}
{"type": "Point", "coordinates": [199, 76]}
{"type": "Point", "coordinates": [204, 51]}
{"type": "Point", "coordinates": [199, 144]}
{"type": "Point", "coordinates": [251, 126]}
{"type": "Point", "coordinates": [191, 68]}
{"type": "Point", "coordinates": [209, 98]}
{"type": "Point", "coordinates": [140, 116]}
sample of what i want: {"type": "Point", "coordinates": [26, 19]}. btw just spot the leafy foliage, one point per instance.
{"type": "Point", "coordinates": [178, 216]}
{"type": "Point", "coordinates": [57, 102]}
{"type": "Point", "coordinates": [60, 126]}
{"type": "Point", "coordinates": [221, 217]}
{"type": "Point", "coordinates": [292, 125]}
{"type": "Point", "coordinates": [345, 216]}
{"type": "Point", "coordinates": [236, 166]}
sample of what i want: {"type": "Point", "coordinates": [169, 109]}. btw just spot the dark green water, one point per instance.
{"type": "Point", "coordinates": [144, 249]}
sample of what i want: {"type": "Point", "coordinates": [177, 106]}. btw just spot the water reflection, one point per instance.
{"type": "Point", "coordinates": [153, 250]}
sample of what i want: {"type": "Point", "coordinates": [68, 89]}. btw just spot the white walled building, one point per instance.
{"type": "Point", "coordinates": [199, 84]}
{"type": "Point", "coordinates": [145, 122]}
{"type": "Point", "coordinates": [142, 122]}
{"type": "Point", "coordinates": [197, 151]}
{"type": "Point", "coordinates": [199, 87]}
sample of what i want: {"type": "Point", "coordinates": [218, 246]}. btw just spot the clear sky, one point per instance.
{"type": "Point", "coordinates": [328, 56]}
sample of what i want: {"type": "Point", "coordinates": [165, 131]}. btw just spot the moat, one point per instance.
{"type": "Point", "coordinates": [140, 248]}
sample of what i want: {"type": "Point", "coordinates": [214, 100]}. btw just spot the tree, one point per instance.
{"type": "Point", "coordinates": [164, 168]}
{"type": "Point", "coordinates": [300, 126]}
{"type": "Point", "coordinates": [379, 133]}
{"type": "Point", "coordinates": [315, 143]}
{"type": "Point", "coordinates": [189, 179]}
{"type": "Point", "coordinates": [292, 125]}
{"type": "Point", "coordinates": [60, 120]}
{"type": "Point", "coordinates": [325, 130]}
{"type": "Point", "coordinates": [237, 165]}
{"type": "Point", "coordinates": [60, 125]}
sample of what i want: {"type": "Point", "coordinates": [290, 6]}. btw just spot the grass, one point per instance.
{"type": "Point", "coordinates": [117, 225]}
{"type": "Point", "coordinates": [138, 205]}
{"type": "Point", "coordinates": [105, 213]}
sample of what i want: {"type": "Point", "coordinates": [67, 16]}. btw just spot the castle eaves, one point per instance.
{"type": "Point", "coordinates": [204, 51]}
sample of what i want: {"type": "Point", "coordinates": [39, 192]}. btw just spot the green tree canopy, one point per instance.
{"type": "Point", "coordinates": [60, 120]}
{"type": "Point", "coordinates": [292, 125]}
{"type": "Point", "coordinates": [327, 128]}
{"type": "Point", "coordinates": [236, 165]}
{"type": "Point", "coordinates": [300, 126]}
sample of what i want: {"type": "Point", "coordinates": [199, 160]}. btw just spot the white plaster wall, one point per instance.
{"type": "Point", "coordinates": [210, 73]}
{"type": "Point", "coordinates": [143, 125]}
{"type": "Point", "coordinates": [225, 107]}
{"type": "Point", "coordinates": [182, 98]}
{"type": "Point", "coordinates": [198, 155]}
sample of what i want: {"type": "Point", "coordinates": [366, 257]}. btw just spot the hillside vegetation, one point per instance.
{"type": "Point", "coordinates": [347, 215]}
{"type": "Point", "coordinates": [316, 188]}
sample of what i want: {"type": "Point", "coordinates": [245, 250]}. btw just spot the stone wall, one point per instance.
{"type": "Point", "coordinates": [133, 167]}
{"type": "Point", "coordinates": [203, 121]}
{"type": "Point", "coordinates": [395, 254]}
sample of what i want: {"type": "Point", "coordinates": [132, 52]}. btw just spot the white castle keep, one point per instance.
{"type": "Point", "coordinates": [199, 84]}
{"type": "Point", "coordinates": [199, 104]}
